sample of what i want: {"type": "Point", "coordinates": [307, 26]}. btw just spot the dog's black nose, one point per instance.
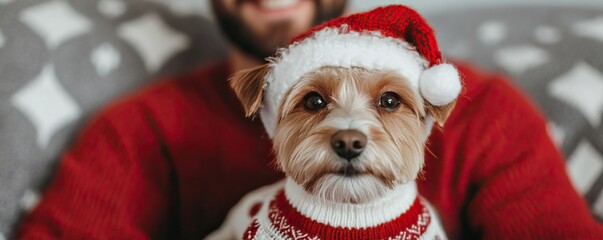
{"type": "Point", "coordinates": [349, 143]}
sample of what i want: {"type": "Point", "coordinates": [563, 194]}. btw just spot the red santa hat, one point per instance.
{"type": "Point", "coordinates": [388, 38]}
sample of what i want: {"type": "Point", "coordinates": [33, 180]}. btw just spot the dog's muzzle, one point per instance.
{"type": "Point", "coordinates": [349, 143]}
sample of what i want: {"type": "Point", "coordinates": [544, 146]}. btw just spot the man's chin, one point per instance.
{"type": "Point", "coordinates": [250, 42]}
{"type": "Point", "coordinates": [262, 45]}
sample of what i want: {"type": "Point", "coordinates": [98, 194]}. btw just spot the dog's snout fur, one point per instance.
{"type": "Point", "coordinates": [353, 149]}
{"type": "Point", "coordinates": [348, 143]}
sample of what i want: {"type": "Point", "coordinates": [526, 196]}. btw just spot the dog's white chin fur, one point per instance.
{"type": "Point", "coordinates": [350, 189]}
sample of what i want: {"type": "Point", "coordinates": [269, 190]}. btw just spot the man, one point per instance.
{"type": "Point", "coordinates": [169, 161]}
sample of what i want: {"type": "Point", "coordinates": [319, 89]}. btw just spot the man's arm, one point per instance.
{"type": "Point", "coordinates": [518, 185]}
{"type": "Point", "coordinates": [112, 183]}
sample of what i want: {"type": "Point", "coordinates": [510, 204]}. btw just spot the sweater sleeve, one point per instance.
{"type": "Point", "coordinates": [518, 185]}
{"type": "Point", "coordinates": [116, 164]}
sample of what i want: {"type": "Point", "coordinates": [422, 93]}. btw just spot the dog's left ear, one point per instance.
{"type": "Point", "coordinates": [439, 113]}
{"type": "Point", "coordinates": [248, 86]}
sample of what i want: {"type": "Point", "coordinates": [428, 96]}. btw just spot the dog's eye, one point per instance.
{"type": "Point", "coordinates": [314, 102]}
{"type": "Point", "coordinates": [389, 101]}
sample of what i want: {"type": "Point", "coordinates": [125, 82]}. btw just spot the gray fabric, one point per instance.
{"type": "Point", "coordinates": [459, 37]}
{"type": "Point", "coordinates": [25, 166]}
{"type": "Point", "coordinates": [28, 158]}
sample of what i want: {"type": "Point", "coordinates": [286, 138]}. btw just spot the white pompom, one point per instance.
{"type": "Point", "coordinates": [440, 84]}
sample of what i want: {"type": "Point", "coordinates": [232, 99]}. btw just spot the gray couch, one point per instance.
{"type": "Point", "coordinates": [61, 60]}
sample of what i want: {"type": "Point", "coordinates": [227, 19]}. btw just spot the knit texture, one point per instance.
{"type": "Point", "coordinates": [393, 38]}
{"type": "Point", "coordinates": [396, 21]}
{"type": "Point", "coordinates": [279, 218]}
{"type": "Point", "coordinates": [169, 161]}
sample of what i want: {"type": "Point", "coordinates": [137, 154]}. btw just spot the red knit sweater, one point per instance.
{"type": "Point", "coordinates": [169, 161]}
{"type": "Point", "coordinates": [284, 210]}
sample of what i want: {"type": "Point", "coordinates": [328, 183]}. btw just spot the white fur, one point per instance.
{"type": "Point", "coordinates": [350, 109]}
{"type": "Point", "coordinates": [336, 188]}
{"type": "Point", "coordinates": [336, 47]}
{"type": "Point", "coordinates": [440, 84]}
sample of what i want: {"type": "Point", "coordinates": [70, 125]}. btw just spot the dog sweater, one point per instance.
{"type": "Point", "coordinates": [292, 213]}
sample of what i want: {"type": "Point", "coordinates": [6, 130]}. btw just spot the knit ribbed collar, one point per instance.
{"type": "Point", "coordinates": [295, 214]}
{"type": "Point", "coordinates": [391, 205]}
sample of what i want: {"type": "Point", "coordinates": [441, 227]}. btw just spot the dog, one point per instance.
{"type": "Point", "coordinates": [349, 106]}
{"type": "Point", "coordinates": [351, 144]}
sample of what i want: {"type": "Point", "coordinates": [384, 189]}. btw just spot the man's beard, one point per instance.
{"type": "Point", "coordinates": [261, 46]}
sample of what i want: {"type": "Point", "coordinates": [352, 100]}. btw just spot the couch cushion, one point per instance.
{"type": "Point", "coordinates": [555, 54]}
{"type": "Point", "coordinates": [62, 60]}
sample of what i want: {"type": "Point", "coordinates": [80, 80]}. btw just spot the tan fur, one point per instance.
{"type": "Point", "coordinates": [248, 85]}
{"type": "Point", "coordinates": [440, 113]}
{"type": "Point", "coordinates": [395, 148]}
{"type": "Point", "coordinates": [301, 140]}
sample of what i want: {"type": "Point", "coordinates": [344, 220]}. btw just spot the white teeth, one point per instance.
{"type": "Point", "coordinates": [278, 4]}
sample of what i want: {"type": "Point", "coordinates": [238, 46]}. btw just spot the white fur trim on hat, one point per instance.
{"type": "Point", "coordinates": [440, 84]}
{"type": "Point", "coordinates": [339, 48]}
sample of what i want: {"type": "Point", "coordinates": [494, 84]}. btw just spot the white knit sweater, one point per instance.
{"type": "Point", "coordinates": [286, 211]}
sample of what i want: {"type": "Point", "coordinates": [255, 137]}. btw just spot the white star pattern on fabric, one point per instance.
{"type": "Point", "coordinates": [582, 87]}
{"type": "Point", "coordinates": [55, 21]}
{"type": "Point", "coordinates": [556, 132]}
{"type": "Point", "coordinates": [520, 58]}
{"type": "Point", "coordinates": [492, 32]}
{"type": "Point", "coordinates": [153, 39]}
{"type": "Point", "coordinates": [29, 200]}
{"type": "Point", "coordinates": [547, 34]}
{"type": "Point", "coordinates": [112, 8]}
{"type": "Point", "coordinates": [591, 28]}
{"type": "Point", "coordinates": [584, 166]}
{"type": "Point", "coordinates": [46, 104]}
{"type": "Point", "coordinates": [105, 59]}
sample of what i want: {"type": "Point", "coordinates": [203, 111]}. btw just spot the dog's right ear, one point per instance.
{"type": "Point", "coordinates": [248, 86]}
{"type": "Point", "coordinates": [440, 113]}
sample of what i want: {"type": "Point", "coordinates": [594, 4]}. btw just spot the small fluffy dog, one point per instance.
{"type": "Point", "coordinates": [349, 110]}
{"type": "Point", "coordinates": [351, 143]}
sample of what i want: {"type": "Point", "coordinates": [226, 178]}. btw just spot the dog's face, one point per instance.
{"type": "Point", "coordinates": [347, 134]}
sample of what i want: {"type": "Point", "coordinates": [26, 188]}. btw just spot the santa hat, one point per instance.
{"type": "Point", "coordinates": [388, 38]}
